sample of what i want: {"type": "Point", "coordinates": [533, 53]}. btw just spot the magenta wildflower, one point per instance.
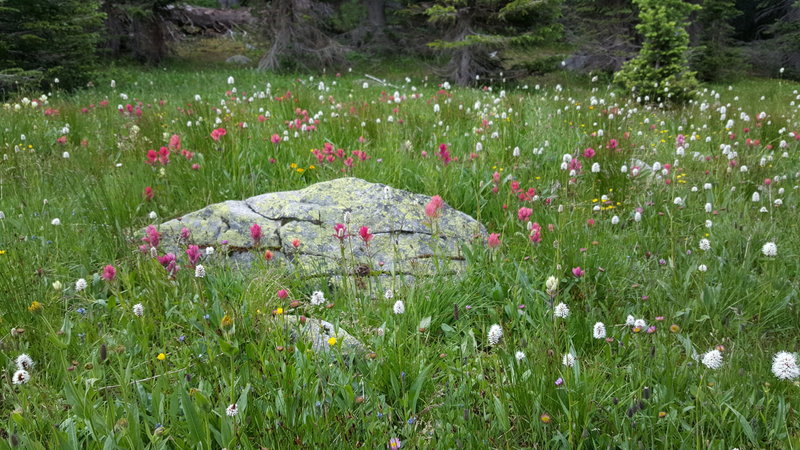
{"type": "Point", "coordinates": [255, 233]}
{"type": "Point", "coordinates": [109, 273]}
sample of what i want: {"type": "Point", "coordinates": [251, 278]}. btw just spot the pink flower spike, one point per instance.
{"type": "Point", "coordinates": [494, 240]}
{"type": "Point", "coordinates": [366, 236]}
{"type": "Point", "coordinates": [109, 273]}
{"type": "Point", "coordinates": [578, 272]}
{"type": "Point", "coordinates": [255, 233]}
{"type": "Point", "coordinates": [433, 207]}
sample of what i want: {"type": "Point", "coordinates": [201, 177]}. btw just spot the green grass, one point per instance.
{"type": "Point", "coordinates": [98, 382]}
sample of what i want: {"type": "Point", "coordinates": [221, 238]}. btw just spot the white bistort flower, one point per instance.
{"type": "Point", "coordinates": [21, 377]}
{"type": "Point", "coordinates": [770, 249]}
{"type": "Point", "coordinates": [199, 271]}
{"type": "Point", "coordinates": [705, 245]}
{"type": "Point", "coordinates": [784, 366]}
{"type": "Point", "coordinates": [232, 410]}
{"type": "Point", "coordinates": [80, 284]}
{"type": "Point", "coordinates": [519, 355]}
{"type": "Point", "coordinates": [712, 359]}
{"type": "Point", "coordinates": [399, 307]}
{"type": "Point", "coordinates": [495, 334]}
{"type": "Point", "coordinates": [561, 311]}
{"type": "Point", "coordinates": [568, 359]}
{"type": "Point", "coordinates": [599, 331]}
{"type": "Point", "coordinates": [24, 362]}
{"type": "Point", "coordinates": [138, 310]}
{"type": "Point", "coordinates": [317, 298]}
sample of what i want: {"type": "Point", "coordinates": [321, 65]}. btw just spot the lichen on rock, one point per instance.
{"type": "Point", "coordinates": [405, 241]}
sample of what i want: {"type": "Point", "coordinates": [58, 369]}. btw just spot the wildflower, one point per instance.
{"type": "Point", "coordinates": [433, 207]}
{"type": "Point", "coordinates": [152, 215]}
{"type": "Point", "coordinates": [520, 355]}
{"type": "Point", "coordinates": [705, 245]}
{"type": "Point", "coordinates": [599, 331]}
{"type": "Point", "coordinates": [317, 298]}
{"type": "Point", "coordinates": [55, 222]}
{"type": "Point", "coordinates": [169, 262]}
{"type": "Point", "coordinates": [218, 133]}
{"type": "Point", "coordinates": [57, 285]}
{"type": "Point", "coordinates": [495, 334]}
{"type": "Point", "coordinates": [282, 294]}
{"type": "Point", "coordinates": [551, 285]}
{"type": "Point", "coordinates": [24, 362]}
{"type": "Point", "coordinates": [678, 201]}
{"type": "Point", "coordinates": [193, 252]}
{"type": "Point", "coordinates": [109, 273]}
{"type": "Point", "coordinates": [559, 381]}
{"type": "Point", "coordinates": [756, 197]}
{"type": "Point", "coordinates": [494, 240]}
{"type": "Point", "coordinates": [784, 366]}
{"type": "Point", "coordinates": [209, 251]}
{"type": "Point", "coordinates": [712, 359]}
{"type": "Point", "coordinates": [568, 360]}
{"type": "Point", "coordinates": [578, 272]}
{"type": "Point", "coordinates": [255, 233]}
{"type": "Point", "coordinates": [138, 310]}
{"type": "Point", "coordinates": [769, 249]}
{"type": "Point", "coordinates": [161, 357]}
{"type": "Point", "coordinates": [366, 236]}
{"type": "Point", "coordinates": [34, 306]}
{"type": "Point", "coordinates": [296, 243]}
{"type": "Point", "coordinates": [702, 268]}
{"type": "Point", "coordinates": [332, 341]}
{"type": "Point", "coordinates": [399, 307]}
{"type": "Point", "coordinates": [523, 214]}
{"type": "Point", "coordinates": [21, 377]}
{"type": "Point", "coordinates": [395, 443]}
{"type": "Point", "coordinates": [545, 418]}
{"type": "Point", "coordinates": [199, 271]}
{"type": "Point", "coordinates": [340, 231]}
{"type": "Point", "coordinates": [388, 294]}
{"type": "Point", "coordinates": [232, 410]}
{"type": "Point", "coordinates": [80, 285]}
{"type": "Point", "coordinates": [561, 311]}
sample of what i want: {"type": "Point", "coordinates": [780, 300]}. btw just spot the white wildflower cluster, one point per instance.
{"type": "Point", "coordinates": [495, 334]}
{"type": "Point", "coordinates": [317, 298]}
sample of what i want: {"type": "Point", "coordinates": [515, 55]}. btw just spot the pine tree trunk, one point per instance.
{"type": "Point", "coordinates": [376, 15]}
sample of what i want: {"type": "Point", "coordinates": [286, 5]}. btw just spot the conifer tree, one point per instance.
{"type": "Point", "coordinates": [716, 58]}
{"type": "Point", "coordinates": [660, 72]}
{"type": "Point", "coordinates": [45, 40]}
{"type": "Point", "coordinates": [476, 32]}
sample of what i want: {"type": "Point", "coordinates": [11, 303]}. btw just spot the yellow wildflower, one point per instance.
{"type": "Point", "coordinates": [332, 341]}
{"type": "Point", "coordinates": [35, 306]}
{"type": "Point", "coordinates": [161, 357]}
{"type": "Point", "coordinates": [226, 321]}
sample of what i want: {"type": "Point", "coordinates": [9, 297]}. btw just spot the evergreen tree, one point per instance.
{"type": "Point", "coordinates": [478, 31]}
{"type": "Point", "coordinates": [45, 40]}
{"type": "Point", "coordinates": [784, 42]}
{"type": "Point", "coordinates": [136, 28]}
{"type": "Point", "coordinates": [716, 58]}
{"type": "Point", "coordinates": [660, 71]}
{"type": "Point", "coordinates": [602, 32]}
